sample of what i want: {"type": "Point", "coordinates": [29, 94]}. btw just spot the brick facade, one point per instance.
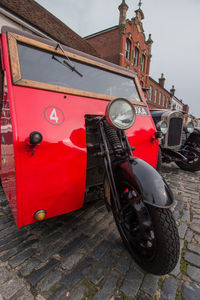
{"type": "Point", "coordinates": [158, 96]}
{"type": "Point", "coordinates": [108, 44]}
{"type": "Point", "coordinates": [126, 45]}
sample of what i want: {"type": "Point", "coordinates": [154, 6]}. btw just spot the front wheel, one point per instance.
{"type": "Point", "coordinates": [149, 233]}
{"type": "Point", "coordinates": [193, 162]}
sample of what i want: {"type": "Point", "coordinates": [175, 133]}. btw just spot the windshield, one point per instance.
{"type": "Point", "coordinates": [42, 66]}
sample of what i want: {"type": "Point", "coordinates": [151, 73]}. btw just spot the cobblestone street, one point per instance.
{"type": "Point", "coordinates": [80, 255]}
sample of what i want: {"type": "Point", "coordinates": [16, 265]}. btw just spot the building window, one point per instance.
{"type": "Point", "coordinates": [155, 98]}
{"type": "Point", "coordinates": [167, 102]}
{"type": "Point", "coordinates": [128, 49]}
{"type": "Point", "coordinates": [150, 92]}
{"type": "Point", "coordinates": [173, 105]}
{"type": "Point", "coordinates": [136, 56]}
{"type": "Point", "coordinates": [141, 83]}
{"type": "Point", "coordinates": [164, 100]}
{"type": "Point", "coordinates": [160, 98]}
{"type": "Point", "coordinates": [143, 63]}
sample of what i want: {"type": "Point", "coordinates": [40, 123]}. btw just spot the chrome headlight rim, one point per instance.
{"type": "Point", "coordinates": [159, 127]}
{"type": "Point", "coordinates": [110, 119]}
{"type": "Point", "coordinates": [188, 128]}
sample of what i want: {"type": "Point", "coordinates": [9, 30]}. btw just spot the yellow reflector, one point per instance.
{"type": "Point", "coordinates": [40, 215]}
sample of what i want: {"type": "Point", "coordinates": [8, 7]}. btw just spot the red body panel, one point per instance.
{"type": "Point", "coordinates": [53, 176]}
{"type": "Point", "coordinates": [8, 174]}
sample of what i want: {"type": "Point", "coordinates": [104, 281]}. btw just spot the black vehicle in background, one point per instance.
{"type": "Point", "coordinates": [179, 141]}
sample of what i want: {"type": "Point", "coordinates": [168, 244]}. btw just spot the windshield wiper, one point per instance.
{"type": "Point", "coordinates": [66, 63]}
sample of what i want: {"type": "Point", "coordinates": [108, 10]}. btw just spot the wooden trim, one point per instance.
{"type": "Point", "coordinates": [13, 38]}
{"type": "Point", "coordinates": [14, 58]}
{"type": "Point", "coordinates": [52, 49]}
{"type": "Point", "coordinates": [62, 89]}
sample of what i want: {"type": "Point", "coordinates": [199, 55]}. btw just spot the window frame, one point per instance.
{"type": "Point", "coordinates": [143, 62]}
{"type": "Point", "coordinates": [128, 49]}
{"type": "Point", "coordinates": [155, 96]}
{"type": "Point", "coordinates": [164, 100]}
{"type": "Point", "coordinates": [151, 92]}
{"type": "Point", "coordinates": [167, 102]}
{"type": "Point", "coordinates": [160, 98]}
{"type": "Point", "coordinates": [14, 38]}
{"type": "Point", "coordinates": [136, 57]}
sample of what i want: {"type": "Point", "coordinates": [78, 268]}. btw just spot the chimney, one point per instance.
{"type": "Point", "coordinates": [122, 15]}
{"type": "Point", "coordinates": [172, 91]}
{"type": "Point", "coordinates": [162, 80]}
{"type": "Point", "coordinates": [149, 43]}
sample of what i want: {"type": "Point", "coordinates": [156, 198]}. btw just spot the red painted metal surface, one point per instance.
{"type": "Point", "coordinates": [8, 175]}
{"type": "Point", "coordinates": [52, 176]}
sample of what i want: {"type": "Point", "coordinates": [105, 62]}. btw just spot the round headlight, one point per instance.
{"type": "Point", "coordinates": [120, 113]}
{"type": "Point", "coordinates": [162, 126]}
{"type": "Point", "coordinates": [189, 127]}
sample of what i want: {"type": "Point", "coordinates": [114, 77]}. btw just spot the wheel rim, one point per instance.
{"type": "Point", "coordinates": [136, 228]}
{"type": "Point", "coordinates": [192, 157]}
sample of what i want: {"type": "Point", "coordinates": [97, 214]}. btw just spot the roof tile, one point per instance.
{"type": "Point", "coordinates": [46, 22]}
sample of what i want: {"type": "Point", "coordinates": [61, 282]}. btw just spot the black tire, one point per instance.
{"type": "Point", "coordinates": [162, 255]}
{"type": "Point", "coordinates": [193, 163]}
{"type": "Point", "coordinates": [159, 161]}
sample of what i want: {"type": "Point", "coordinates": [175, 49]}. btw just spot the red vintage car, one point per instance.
{"type": "Point", "coordinates": [69, 124]}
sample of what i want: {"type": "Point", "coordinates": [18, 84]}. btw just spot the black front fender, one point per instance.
{"type": "Point", "coordinates": [154, 189]}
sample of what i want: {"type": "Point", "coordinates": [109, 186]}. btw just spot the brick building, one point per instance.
{"type": "Point", "coordinates": [176, 103]}
{"type": "Point", "coordinates": [126, 44]}
{"type": "Point", "coordinates": [158, 96]}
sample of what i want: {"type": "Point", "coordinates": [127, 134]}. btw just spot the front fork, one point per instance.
{"type": "Point", "coordinates": [122, 154]}
{"type": "Point", "coordinates": [105, 152]}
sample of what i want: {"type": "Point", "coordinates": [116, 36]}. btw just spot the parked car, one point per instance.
{"type": "Point", "coordinates": [180, 141]}
{"type": "Point", "coordinates": [69, 124]}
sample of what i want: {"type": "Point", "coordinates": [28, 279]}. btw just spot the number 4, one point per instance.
{"type": "Point", "coordinates": [53, 116]}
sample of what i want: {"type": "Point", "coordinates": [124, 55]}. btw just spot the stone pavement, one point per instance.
{"type": "Point", "coordinates": [80, 255]}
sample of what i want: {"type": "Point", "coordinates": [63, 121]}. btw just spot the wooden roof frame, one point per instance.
{"type": "Point", "coordinates": [14, 38]}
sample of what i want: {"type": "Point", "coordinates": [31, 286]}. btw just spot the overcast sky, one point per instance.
{"type": "Point", "coordinates": [174, 25]}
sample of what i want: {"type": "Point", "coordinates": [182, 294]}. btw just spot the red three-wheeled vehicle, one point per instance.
{"type": "Point", "coordinates": [74, 126]}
